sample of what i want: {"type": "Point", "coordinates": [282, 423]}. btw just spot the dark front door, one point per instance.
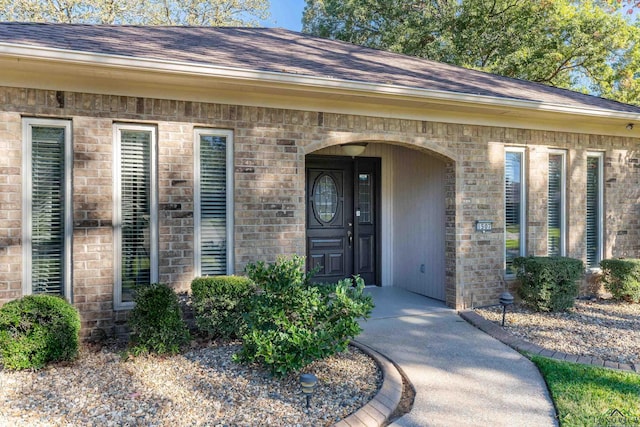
{"type": "Point", "coordinates": [343, 218]}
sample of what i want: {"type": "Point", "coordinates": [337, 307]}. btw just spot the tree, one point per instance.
{"type": "Point", "coordinates": [581, 45]}
{"type": "Point", "coordinates": [629, 5]}
{"type": "Point", "coordinates": [139, 12]}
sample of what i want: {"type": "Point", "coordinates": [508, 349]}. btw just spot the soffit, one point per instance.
{"type": "Point", "coordinates": [53, 69]}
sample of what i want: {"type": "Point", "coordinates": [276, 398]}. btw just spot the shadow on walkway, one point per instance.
{"type": "Point", "coordinates": [462, 376]}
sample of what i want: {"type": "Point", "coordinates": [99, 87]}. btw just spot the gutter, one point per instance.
{"type": "Point", "coordinates": [266, 78]}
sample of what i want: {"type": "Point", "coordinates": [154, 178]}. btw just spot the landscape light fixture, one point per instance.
{"type": "Point", "coordinates": [505, 299]}
{"type": "Point", "coordinates": [354, 150]}
{"type": "Point", "coordinates": [308, 382]}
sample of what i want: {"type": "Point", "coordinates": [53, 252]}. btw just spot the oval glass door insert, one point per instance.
{"type": "Point", "coordinates": [325, 197]}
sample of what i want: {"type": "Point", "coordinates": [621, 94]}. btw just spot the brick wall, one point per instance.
{"type": "Point", "coordinates": [11, 207]}
{"type": "Point", "coordinates": [269, 149]}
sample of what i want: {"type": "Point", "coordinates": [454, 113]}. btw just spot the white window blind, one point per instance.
{"type": "Point", "coordinates": [594, 210]}
{"type": "Point", "coordinates": [136, 213]}
{"type": "Point", "coordinates": [556, 205]}
{"type": "Point", "coordinates": [514, 205]}
{"type": "Point", "coordinates": [47, 207]}
{"type": "Point", "coordinates": [214, 201]}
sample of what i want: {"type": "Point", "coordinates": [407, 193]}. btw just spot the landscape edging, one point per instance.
{"type": "Point", "coordinates": [377, 411]}
{"type": "Point", "coordinates": [521, 345]}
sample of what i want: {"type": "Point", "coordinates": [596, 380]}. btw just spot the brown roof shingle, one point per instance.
{"type": "Point", "coordinates": [283, 51]}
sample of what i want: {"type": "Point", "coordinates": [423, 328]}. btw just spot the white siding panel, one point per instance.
{"type": "Point", "coordinates": [419, 223]}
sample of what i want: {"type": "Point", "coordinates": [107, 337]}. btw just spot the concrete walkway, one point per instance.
{"type": "Point", "coordinates": [462, 376]}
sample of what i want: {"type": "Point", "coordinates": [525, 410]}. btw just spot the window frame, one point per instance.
{"type": "Point", "coordinates": [600, 219]}
{"type": "Point", "coordinates": [197, 222]}
{"type": "Point", "coordinates": [27, 202]}
{"type": "Point", "coordinates": [523, 205]}
{"type": "Point", "coordinates": [563, 202]}
{"type": "Point", "coordinates": [117, 209]}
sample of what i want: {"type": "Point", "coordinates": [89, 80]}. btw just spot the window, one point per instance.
{"type": "Point", "coordinates": [594, 209]}
{"type": "Point", "coordinates": [514, 185]}
{"type": "Point", "coordinates": [365, 198]}
{"type": "Point", "coordinates": [47, 209]}
{"type": "Point", "coordinates": [135, 210]}
{"type": "Point", "coordinates": [213, 199]}
{"type": "Point", "coordinates": [556, 203]}
{"type": "Point", "coordinates": [325, 197]}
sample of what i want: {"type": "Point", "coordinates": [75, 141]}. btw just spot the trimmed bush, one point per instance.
{"type": "Point", "coordinates": [621, 277]}
{"type": "Point", "coordinates": [293, 323]}
{"type": "Point", "coordinates": [36, 330]}
{"type": "Point", "coordinates": [156, 321]}
{"type": "Point", "coordinates": [548, 283]}
{"type": "Point", "coordinates": [220, 304]}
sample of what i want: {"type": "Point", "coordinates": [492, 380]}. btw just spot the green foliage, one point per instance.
{"type": "Point", "coordinates": [281, 275]}
{"type": "Point", "coordinates": [138, 12]}
{"type": "Point", "coordinates": [294, 322]}
{"type": "Point", "coordinates": [38, 329]}
{"type": "Point", "coordinates": [583, 45]}
{"type": "Point", "coordinates": [220, 304]}
{"type": "Point", "coordinates": [621, 277]}
{"type": "Point", "coordinates": [156, 321]}
{"type": "Point", "coordinates": [591, 396]}
{"type": "Point", "coordinates": [548, 283]}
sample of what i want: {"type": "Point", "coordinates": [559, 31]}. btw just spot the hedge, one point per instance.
{"type": "Point", "coordinates": [548, 283]}
{"type": "Point", "coordinates": [156, 321]}
{"type": "Point", "coordinates": [38, 329]}
{"type": "Point", "coordinates": [621, 277]}
{"type": "Point", "coordinates": [294, 322]}
{"type": "Point", "coordinates": [220, 304]}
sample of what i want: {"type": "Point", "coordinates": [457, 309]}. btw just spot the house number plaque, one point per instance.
{"type": "Point", "coordinates": [484, 226]}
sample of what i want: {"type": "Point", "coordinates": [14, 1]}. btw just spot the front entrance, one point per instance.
{"type": "Point", "coordinates": [343, 217]}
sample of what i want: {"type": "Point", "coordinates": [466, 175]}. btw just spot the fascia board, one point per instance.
{"type": "Point", "coordinates": [313, 83]}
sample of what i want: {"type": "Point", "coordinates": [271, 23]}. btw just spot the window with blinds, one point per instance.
{"type": "Point", "coordinates": [514, 205]}
{"type": "Point", "coordinates": [47, 207]}
{"type": "Point", "coordinates": [214, 203]}
{"type": "Point", "coordinates": [136, 212]}
{"type": "Point", "coordinates": [556, 205]}
{"type": "Point", "coordinates": [594, 210]}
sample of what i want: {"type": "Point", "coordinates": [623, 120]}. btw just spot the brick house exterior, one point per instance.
{"type": "Point", "coordinates": [441, 139]}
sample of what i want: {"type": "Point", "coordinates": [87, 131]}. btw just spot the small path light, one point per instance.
{"type": "Point", "coordinates": [505, 299]}
{"type": "Point", "coordinates": [308, 382]}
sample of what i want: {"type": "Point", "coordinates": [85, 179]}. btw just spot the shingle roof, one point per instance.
{"type": "Point", "coordinates": [283, 51]}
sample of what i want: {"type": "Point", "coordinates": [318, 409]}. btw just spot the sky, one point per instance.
{"type": "Point", "coordinates": [286, 14]}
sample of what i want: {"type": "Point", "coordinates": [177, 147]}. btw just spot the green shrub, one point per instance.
{"type": "Point", "coordinates": [220, 304]}
{"type": "Point", "coordinates": [548, 283]}
{"type": "Point", "coordinates": [621, 277]}
{"type": "Point", "coordinates": [293, 323]}
{"type": "Point", "coordinates": [156, 321]}
{"type": "Point", "coordinates": [38, 329]}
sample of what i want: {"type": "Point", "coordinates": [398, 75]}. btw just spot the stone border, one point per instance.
{"type": "Point", "coordinates": [521, 345]}
{"type": "Point", "coordinates": [377, 411]}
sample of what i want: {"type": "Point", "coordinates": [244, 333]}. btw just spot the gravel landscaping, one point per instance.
{"type": "Point", "coordinates": [600, 328]}
{"type": "Point", "coordinates": [200, 387]}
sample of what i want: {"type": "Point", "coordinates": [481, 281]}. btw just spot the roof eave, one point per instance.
{"type": "Point", "coordinates": [266, 78]}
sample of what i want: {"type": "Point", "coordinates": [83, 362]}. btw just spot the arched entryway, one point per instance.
{"type": "Point", "coordinates": [382, 215]}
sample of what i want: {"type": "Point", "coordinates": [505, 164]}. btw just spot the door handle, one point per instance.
{"type": "Point", "coordinates": [350, 236]}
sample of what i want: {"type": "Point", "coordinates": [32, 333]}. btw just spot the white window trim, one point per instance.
{"type": "Point", "coordinates": [117, 211]}
{"type": "Point", "coordinates": [563, 202]}
{"type": "Point", "coordinates": [523, 201]}
{"type": "Point", "coordinates": [600, 235]}
{"type": "Point", "coordinates": [27, 182]}
{"type": "Point", "coordinates": [197, 252]}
